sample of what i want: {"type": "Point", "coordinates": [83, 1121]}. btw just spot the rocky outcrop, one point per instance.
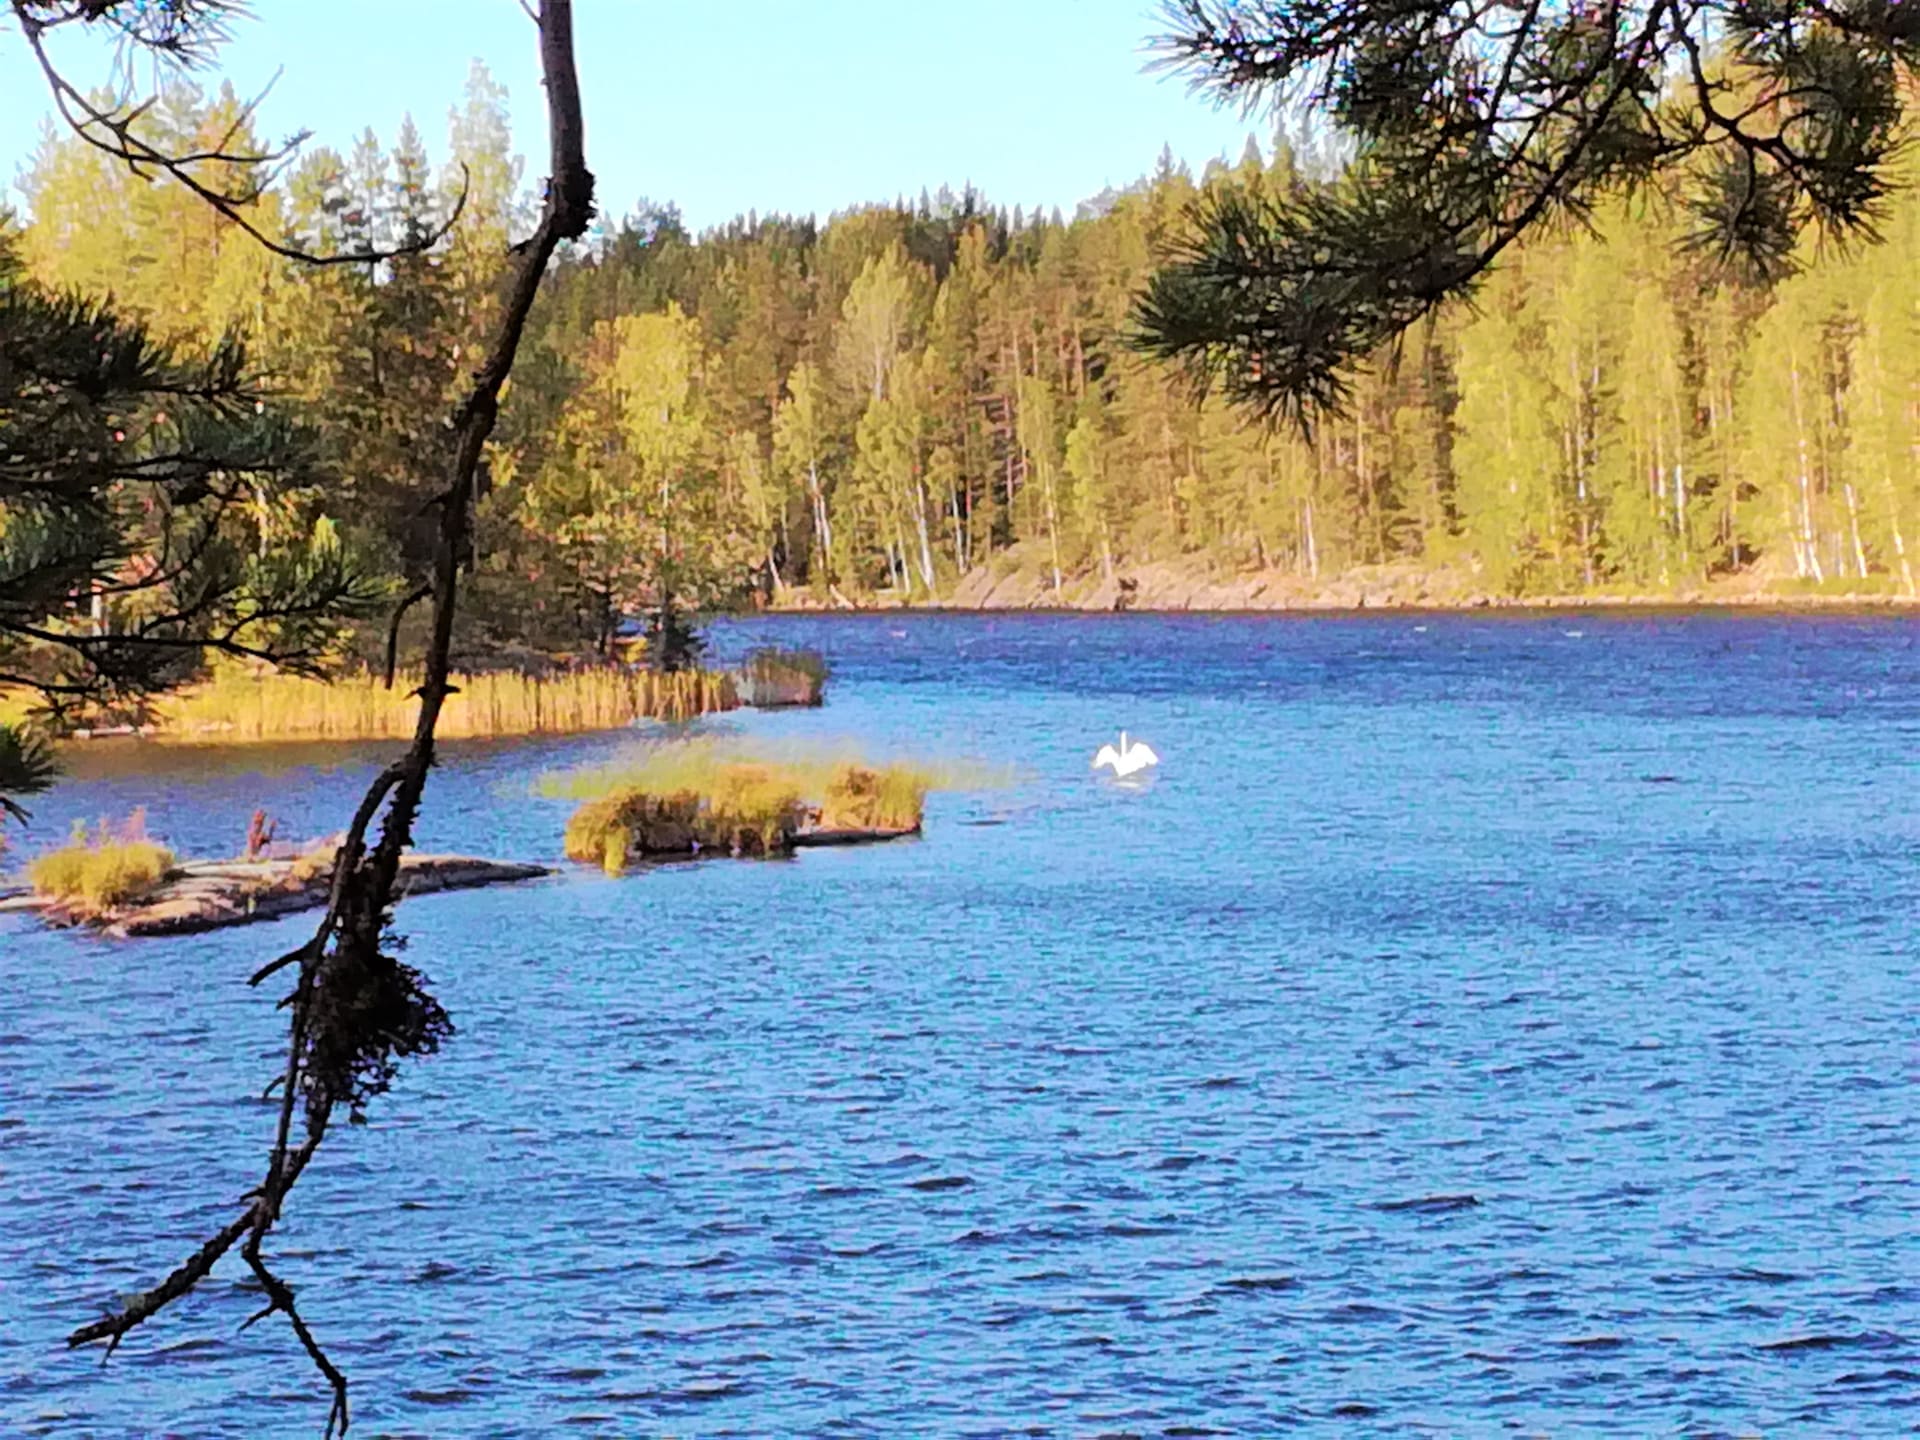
{"type": "Point", "coordinates": [211, 895]}
{"type": "Point", "coordinates": [1017, 581]}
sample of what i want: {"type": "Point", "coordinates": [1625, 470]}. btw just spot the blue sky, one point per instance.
{"type": "Point", "coordinates": [777, 105]}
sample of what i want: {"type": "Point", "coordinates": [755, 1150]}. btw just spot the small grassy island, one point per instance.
{"type": "Point", "coordinates": [123, 884]}
{"type": "Point", "coordinates": [696, 800]}
{"type": "Point", "coordinates": [88, 878]}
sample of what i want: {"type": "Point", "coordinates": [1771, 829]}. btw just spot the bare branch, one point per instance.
{"type": "Point", "coordinates": [195, 1268]}
{"type": "Point", "coordinates": [344, 956]}
{"type": "Point", "coordinates": [113, 132]}
{"type": "Point", "coordinates": [413, 598]}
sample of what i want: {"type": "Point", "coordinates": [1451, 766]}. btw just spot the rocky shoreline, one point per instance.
{"type": "Point", "coordinates": [215, 894]}
{"type": "Point", "coordinates": [1018, 585]}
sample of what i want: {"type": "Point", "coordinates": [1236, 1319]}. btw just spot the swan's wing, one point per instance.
{"type": "Point", "coordinates": [1107, 756]}
{"type": "Point", "coordinates": [1142, 754]}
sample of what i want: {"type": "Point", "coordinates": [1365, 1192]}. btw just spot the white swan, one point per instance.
{"type": "Point", "coordinates": [1128, 759]}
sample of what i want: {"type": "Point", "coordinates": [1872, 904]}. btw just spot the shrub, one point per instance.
{"type": "Point", "coordinates": [95, 876]}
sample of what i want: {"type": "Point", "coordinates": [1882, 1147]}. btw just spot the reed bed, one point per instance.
{"type": "Point", "coordinates": [237, 707]}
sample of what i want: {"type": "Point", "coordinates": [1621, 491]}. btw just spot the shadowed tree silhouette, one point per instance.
{"type": "Point", "coordinates": [153, 510]}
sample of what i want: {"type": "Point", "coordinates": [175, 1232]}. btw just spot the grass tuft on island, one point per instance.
{"type": "Point", "coordinates": [93, 875]}
{"type": "Point", "coordinates": [702, 798]}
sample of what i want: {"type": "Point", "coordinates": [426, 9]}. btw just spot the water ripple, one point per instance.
{"type": "Point", "coordinates": [1465, 1031]}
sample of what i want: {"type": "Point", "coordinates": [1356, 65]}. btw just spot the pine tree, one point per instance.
{"type": "Point", "coordinates": [153, 510]}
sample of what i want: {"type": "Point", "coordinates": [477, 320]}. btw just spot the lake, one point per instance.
{"type": "Point", "coordinates": [1478, 1022]}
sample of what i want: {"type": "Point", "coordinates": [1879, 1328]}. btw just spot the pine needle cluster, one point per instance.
{"type": "Point", "coordinates": [1473, 125]}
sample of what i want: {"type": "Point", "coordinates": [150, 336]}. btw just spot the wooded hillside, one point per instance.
{"type": "Point", "coordinates": [889, 400]}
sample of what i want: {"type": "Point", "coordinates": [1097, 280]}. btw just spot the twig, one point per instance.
{"type": "Point", "coordinates": [112, 133]}
{"type": "Point", "coordinates": [345, 949]}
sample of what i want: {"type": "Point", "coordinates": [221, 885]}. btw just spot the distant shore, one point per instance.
{"type": "Point", "coordinates": [1167, 587]}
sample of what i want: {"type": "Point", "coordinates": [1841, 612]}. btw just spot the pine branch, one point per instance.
{"type": "Point", "coordinates": [1475, 125]}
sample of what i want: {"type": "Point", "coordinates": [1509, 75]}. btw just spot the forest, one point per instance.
{"type": "Point", "coordinates": [350, 454]}
{"type": "Point", "coordinates": [873, 408]}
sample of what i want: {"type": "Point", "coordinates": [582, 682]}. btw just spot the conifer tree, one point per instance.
{"type": "Point", "coordinates": [153, 510]}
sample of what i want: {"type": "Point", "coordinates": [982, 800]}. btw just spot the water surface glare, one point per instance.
{"type": "Point", "coordinates": [1473, 1025]}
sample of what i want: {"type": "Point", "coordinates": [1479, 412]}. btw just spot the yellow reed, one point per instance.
{"type": "Point", "coordinates": [237, 707]}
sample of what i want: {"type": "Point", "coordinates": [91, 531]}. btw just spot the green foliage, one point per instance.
{"type": "Point", "coordinates": [630, 494]}
{"type": "Point", "coordinates": [27, 767]}
{"type": "Point", "coordinates": [1272, 299]}
{"type": "Point", "coordinates": [910, 398]}
{"type": "Point", "coordinates": [152, 510]}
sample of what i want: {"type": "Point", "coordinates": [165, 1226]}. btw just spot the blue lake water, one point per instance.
{"type": "Point", "coordinates": [1477, 1023]}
